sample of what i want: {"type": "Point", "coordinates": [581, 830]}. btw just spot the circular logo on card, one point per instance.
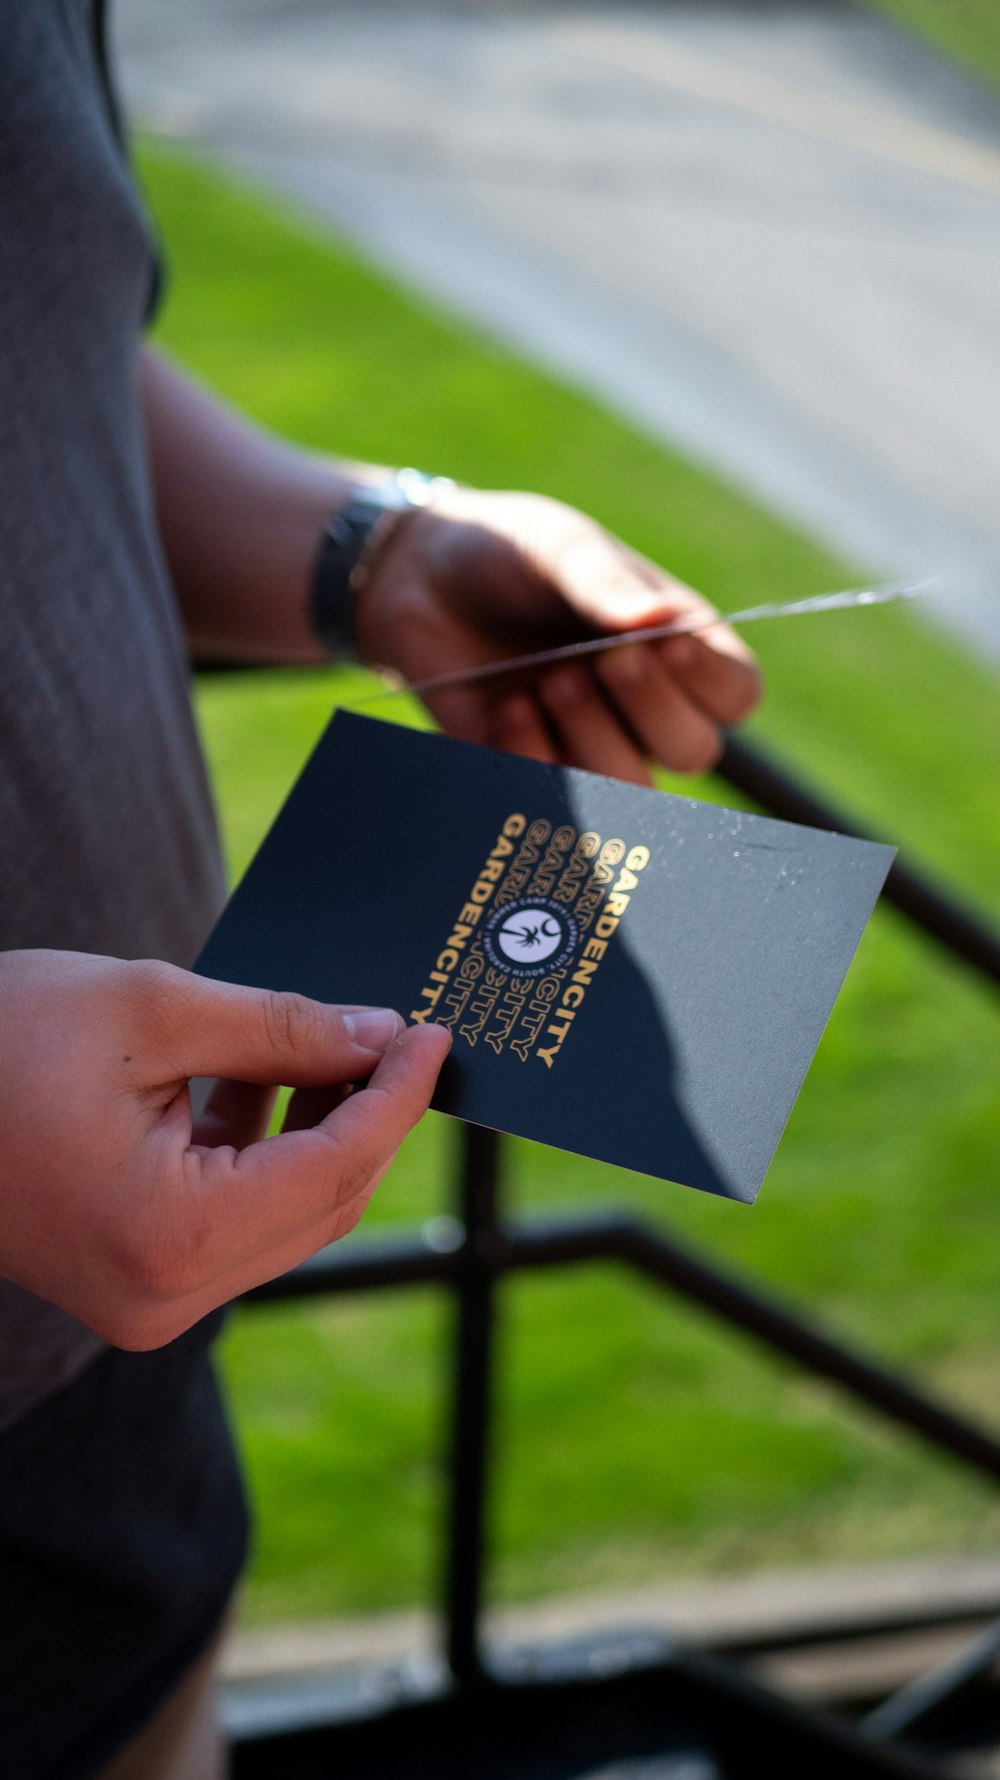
{"type": "Point", "coordinates": [530, 936]}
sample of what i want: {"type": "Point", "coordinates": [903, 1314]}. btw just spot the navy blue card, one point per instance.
{"type": "Point", "coordinates": [632, 976]}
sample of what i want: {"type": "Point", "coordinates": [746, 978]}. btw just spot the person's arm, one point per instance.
{"type": "Point", "coordinates": [473, 577]}
{"type": "Point", "coordinates": [241, 514]}
{"type": "Point", "coordinates": [115, 1204]}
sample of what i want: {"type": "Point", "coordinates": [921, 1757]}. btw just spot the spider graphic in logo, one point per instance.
{"type": "Point", "coordinates": [534, 934]}
{"type": "Point", "coordinates": [521, 934]}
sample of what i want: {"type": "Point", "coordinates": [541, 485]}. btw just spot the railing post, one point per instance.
{"type": "Point", "coordinates": [471, 1403]}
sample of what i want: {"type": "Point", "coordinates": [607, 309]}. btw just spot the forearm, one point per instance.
{"type": "Point", "coordinates": [472, 576]}
{"type": "Point", "coordinates": [240, 513]}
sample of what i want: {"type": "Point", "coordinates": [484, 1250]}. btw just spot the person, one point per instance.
{"type": "Point", "coordinates": [142, 520]}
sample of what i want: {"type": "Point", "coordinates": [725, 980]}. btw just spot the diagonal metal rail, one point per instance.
{"type": "Point", "coordinates": [931, 906]}
{"type": "Point", "coordinates": [532, 1244]}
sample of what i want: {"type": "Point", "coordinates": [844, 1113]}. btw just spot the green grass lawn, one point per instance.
{"type": "Point", "coordinates": [968, 30]}
{"type": "Point", "coordinates": [636, 1441]}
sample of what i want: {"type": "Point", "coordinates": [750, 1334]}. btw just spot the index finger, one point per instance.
{"type": "Point", "coordinates": [196, 1026]}
{"type": "Point", "coordinates": [711, 663]}
{"type": "Point", "coordinates": [269, 1206]}
{"type": "Point", "coordinates": [716, 670]}
{"type": "Point", "coordinates": [616, 589]}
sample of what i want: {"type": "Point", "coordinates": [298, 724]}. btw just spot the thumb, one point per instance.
{"type": "Point", "coordinates": [302, 1189]}
{"type": "Point", "coordinates": [197, 1027]}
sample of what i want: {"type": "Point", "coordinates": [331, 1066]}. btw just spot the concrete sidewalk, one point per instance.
{"type": "Point", "coordinates": [767, 234]}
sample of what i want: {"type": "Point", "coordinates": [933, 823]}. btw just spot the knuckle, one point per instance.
{"type": "Point", "coordinates": [353, 1198]}
{"type": "Point", "coordinates": [349, 1217]}
{"type": "Point", "coordinates": [564, 690]}
{"type": "Point", "coordinates": [700, 754]}
{"type": "Point", "coordinates": [619, 581]}
{"type": "Point", "coordinates": [622, 670]}
{"type": "Point", "coordinates": [153, 979]}
{"type": "Point", "coordinates": [292, 1022]}
{"type": "Point", "coordinates": [153, 989]}
{"type": "Point", "coordinates": [353, 1177]}
{"type": "Point", "coordinates": [552, 518]}
{"type": "Point", "coordinates": [352, 1166]}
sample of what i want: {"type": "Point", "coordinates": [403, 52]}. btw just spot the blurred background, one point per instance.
{"type": "Point", "coordinates": [727, 276]}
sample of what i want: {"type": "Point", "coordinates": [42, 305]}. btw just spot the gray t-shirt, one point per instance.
{"type": "Point", "coordinates": [107, 835]}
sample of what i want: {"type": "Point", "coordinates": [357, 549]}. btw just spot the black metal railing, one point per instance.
{"type": "Point", "coordinates": [471, 1252]}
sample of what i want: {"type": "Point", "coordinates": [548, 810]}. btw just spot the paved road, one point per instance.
{"type": "Point", "coordinates": [769, 234]}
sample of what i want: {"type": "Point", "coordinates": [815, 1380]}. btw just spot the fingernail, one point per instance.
{"type": "Point", "coordinates": [374, 1028]}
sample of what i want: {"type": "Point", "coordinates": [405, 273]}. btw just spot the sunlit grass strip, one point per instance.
{"type": "Point", "coordinates": [636, 1440]}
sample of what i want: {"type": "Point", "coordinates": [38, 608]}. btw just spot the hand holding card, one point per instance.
{"type": "Point", "coordinates": [640, 978]}
{"type": "Point", "coordinates": [478, 575]}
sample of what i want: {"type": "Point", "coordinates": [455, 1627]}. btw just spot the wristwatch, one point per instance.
{"type": "Point", "coordinates": [354, 537]}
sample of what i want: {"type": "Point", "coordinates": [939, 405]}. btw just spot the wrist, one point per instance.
{"type": "Point", "coordinates": [355, 542]}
